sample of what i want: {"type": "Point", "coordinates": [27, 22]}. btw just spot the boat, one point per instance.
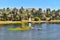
{"type": "Point", "coordinates": [23, 27]}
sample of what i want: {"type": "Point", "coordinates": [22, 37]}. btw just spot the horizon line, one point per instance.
{"type": "Point", "coordinates": [31, 7]}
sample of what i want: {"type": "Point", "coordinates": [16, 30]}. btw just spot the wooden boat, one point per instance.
{"type": "Point", "coordinates": [23, 26]}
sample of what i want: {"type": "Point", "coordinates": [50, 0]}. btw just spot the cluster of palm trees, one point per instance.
{"type": "Point", "coordinates": [19, 14]}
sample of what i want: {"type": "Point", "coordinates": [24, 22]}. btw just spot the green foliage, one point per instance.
{"type": "Point", "coordinates": [17, 14]}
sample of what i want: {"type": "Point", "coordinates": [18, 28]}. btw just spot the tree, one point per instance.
{"type": "Point", "coordinates": [53, 14]}
{"type": "Point", "coordinates": [40, 10]}
{"type": "Point", "coordinates": [48, 13]}
{"type": "Point", "coordinates": [21, 10]}
{"type": "Point", "coordinates": [15, 10]}
{"type": "Point", "coordinates": [33, 12]}
{"type": "Point", "coordinates": [7, 9]}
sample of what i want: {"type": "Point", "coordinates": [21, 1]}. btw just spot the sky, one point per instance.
{"type": "Point", "coordinates": [53, 4]}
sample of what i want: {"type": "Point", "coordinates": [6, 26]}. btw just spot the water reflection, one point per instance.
{"type": "Point", "coordinates": [48, 32]}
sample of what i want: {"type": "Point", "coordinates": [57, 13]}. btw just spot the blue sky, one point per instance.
{"type": "Point", "coordinates": [53, 4]}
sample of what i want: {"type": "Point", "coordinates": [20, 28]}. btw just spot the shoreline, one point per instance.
{"type": "Point", "coordinates": [19, 22]}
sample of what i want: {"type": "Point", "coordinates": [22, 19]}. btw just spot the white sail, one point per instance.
{"type": "Point", "coordinates": [29, 24]}
{"type": "Point", "coordinates": [29, 21]}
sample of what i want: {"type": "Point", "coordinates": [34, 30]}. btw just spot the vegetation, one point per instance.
{"type": "Point", "coordinates": [19, 14]}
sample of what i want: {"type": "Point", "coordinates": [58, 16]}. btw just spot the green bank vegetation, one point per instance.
{"type": "Point", "coordinates": [8, 14]}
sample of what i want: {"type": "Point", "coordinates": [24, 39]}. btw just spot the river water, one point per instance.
{"type": "Point", "coordinates": [48, 32]}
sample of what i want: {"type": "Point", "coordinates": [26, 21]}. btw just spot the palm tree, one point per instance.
{"type": "Point", "coordinates": [7, 9]}
{"type": "Point", "coordinates": [33, 12]}
{"type": "Point", "coordinates": [15, 10]}
{"type": "Point", "coordinates": [39, 13]}
{"type": "Point", "coordinates": [48, 11]}
{"type": "Point", "coordinates": [21, 10]}
{"type": "Point", "coordinates": [40, 10]}
{"type": "Point", "coordinates": [1, 14]}
{"type": "Point", "coordinates": [14, 13]}
{"type": "Point", "coordinates": [57, 14]}
{"type": "Point", "coordinates": [53, 14]}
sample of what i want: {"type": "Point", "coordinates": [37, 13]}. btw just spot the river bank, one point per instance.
{"type": "Point", "coordinates": [26, 21]}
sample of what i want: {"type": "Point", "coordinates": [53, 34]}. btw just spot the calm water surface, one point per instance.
{"type": "Point", "coordinates": [48, 32]}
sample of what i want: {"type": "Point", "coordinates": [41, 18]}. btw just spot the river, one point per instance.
{"type": "Point", "coordinates": [48, 32]}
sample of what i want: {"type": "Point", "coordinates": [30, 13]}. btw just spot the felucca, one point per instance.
{"type": "Point", "coordinates": [23, 26]}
